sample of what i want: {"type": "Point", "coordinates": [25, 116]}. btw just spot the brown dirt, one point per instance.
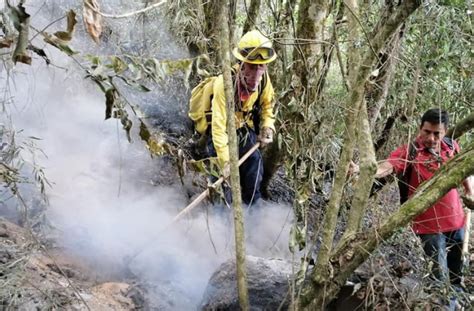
{"type": "Point", "coordinates": [32, 277]}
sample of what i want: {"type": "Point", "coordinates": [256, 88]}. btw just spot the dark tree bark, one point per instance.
{"type": "Point", "coordinates": [308, 51]}
{"type": "Point", "coordinates": [389, 22]}
{"type": "Point", "coordinates": [389, 123]}
{"type": "Point", "coordinates": [211, 11]}
{"type": "Point", "coordinates": [252, 15]}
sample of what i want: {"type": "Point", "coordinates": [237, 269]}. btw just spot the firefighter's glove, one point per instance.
{"type": "Point", "coordinates": [468, 201]}
{"type": "Point", "coordinates": [225, 169]}
{"type": "Point", "coordinates": [266, 136]}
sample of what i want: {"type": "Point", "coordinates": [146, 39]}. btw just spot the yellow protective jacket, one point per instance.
{"type": "Point", "coordinates": [219, 116]}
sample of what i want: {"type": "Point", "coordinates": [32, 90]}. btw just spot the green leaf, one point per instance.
{"type": "Point", "coordinates": [134, 84]}
{"type": "Point", "coordinates": [94, 59]}
{"type": "Point", "coordinates": [17, 15]}
{"type": "Point", "coordinates": [126, 124]}
{"type": "Point", "coordinates": [173, 66]}
{"type": "Point", "coordinates": [144, 132]}
{"type": "Point", "coordinates": [98, 71]}
{"type": "Point", "coordinates": [59, 44]}
{"type": "Point", "coordinates": [198, 166]}
{"type": "Point", "coordinates": [118, 65]}
{"type": "Point", "coordinates": [39, 52]}
{"type": "Point", "coordinates": [63, 35]}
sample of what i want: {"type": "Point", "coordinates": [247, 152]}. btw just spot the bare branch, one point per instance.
{"type": "Point", "coordinates": [151, 7]}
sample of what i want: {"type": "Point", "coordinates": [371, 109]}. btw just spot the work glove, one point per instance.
{"type": "Point", "coordinates": [266, 136]}
{"type": "Point", "coordinates": [225, 170]}
{"type": "Point", "coordinates": [223, 167]}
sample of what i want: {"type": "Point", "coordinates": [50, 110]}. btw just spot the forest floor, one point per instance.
{"type": "Point", "coordinates": [38, 275]}
{"type": "Point", "coordinates": [34, 277]}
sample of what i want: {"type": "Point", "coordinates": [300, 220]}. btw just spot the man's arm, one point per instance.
{"type": "Point", "coordinates": [468, 184]}
{"type": "Point", "coordinates": [468, 198]}
{"type": "Point", "coordinates": [395, 163]}
{"type": "Point", "coordinates": [384, 169]}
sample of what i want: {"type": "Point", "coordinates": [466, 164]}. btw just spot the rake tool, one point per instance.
{"type": "Point", "coordinates": [190, 206]}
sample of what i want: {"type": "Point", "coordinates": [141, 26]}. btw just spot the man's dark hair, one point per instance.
{"type": "Point", "coordinates": [435, 116]}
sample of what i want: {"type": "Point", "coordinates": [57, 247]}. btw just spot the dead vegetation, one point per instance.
{"type": "Point", "coordinates": [32, 277]}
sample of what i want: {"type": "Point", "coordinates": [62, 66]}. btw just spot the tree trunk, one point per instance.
{"type": "Point", "coordinates": [252, 15]}
{"type": "Point", "coordinates": [385, 134]}
{"type": "Point", "coordinates": [391, 19]}
{"type": "Point", "coordinates": [368, 167]}
{"type": "Point", "coordinates": [320, 271]}
{"type": "Point", "coordinates": [355, 251]}
{"type": "Point", "coordinates": [273, 155]}
{"type": "Point", "coordinates": [281, 30]}
{"type": "Point", "coordinates": [328, 51]}
{"type": "Point", "coordinates": [308, 52]}
{"type": "Point", "coordinates": [211, 11]}
{"type": "Point", "coordinates": [234, 158]}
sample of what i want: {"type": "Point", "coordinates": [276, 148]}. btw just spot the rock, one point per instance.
{"type": "Point", "coordinates": [5, 256]}
{"type": "Point", "coordinates": [110, 296]}
{"type": "Point", "coordinates": [137, 295]}
{"type": "Point", "coordinates": [268, 285]}
{"type": "Point", "coordinates": [10, 231]}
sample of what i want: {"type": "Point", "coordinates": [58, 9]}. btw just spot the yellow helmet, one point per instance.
{"type": "Point", "coordinates": [255, 48]}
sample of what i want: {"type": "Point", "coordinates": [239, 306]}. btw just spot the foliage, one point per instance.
{"type": "Point", "coordinates": [438, 43]}
{"type": "Point", "coordinates": [20, 170]}
{"type": "Point", "coordinates": [435, 50]}
{"type": "Point", "coordinates": [134, 72]}
{"type": "Point", "coordinates": [61, 39]}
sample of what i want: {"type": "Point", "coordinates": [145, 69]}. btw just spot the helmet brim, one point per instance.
{"type": "Point", "coordinates": [237, 55]}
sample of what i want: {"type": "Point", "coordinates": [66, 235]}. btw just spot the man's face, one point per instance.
{"type": "Point", "coordinates": [251, 74]}
{"type": "Point", "coordinates": [431, 134]}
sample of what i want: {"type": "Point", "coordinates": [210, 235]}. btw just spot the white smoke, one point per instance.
{"type": "Point", "coordinates": [103, 201]}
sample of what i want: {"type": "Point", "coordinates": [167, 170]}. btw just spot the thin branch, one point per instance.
{"type": "Point", "coordinates": [339, 58]}
{"type": "Point", "coordinates": [301, 41]}
{"type": "Point", "coordinates": [153, 6]}
{"type": "Point", "coordinates": [407, 62]}
{"type": "Point", "coordinates": [46, 27]}
{"type": "Point", "coordinates": [363, 29]}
